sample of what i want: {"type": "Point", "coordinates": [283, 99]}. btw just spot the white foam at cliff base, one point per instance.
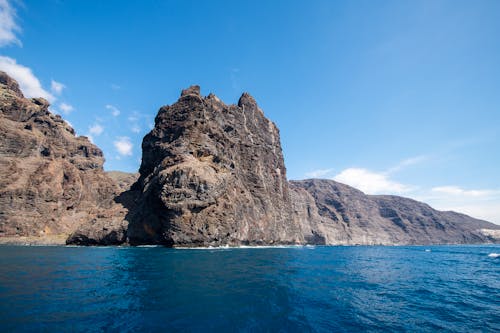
{"type": "Point", "coordinates": [227, 247]}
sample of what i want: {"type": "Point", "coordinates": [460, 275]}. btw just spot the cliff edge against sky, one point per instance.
{"type": "Point", "coordinates": [211, 175]}
{"type": "Point", "coordinates": [51, 182]}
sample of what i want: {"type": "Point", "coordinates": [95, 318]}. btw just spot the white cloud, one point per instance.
{"type": "Point", "coordinates": [370, 182]}
{"type": "Point", "coordinates": [29, 83]}
{"type": "Point", "coordinates": [479, 203]}
{"type": "Point", "coordinates": [114, 110]}
{"type": "Point", "coordinates": [123, 146]}
{"type": "Point", "coordinates": [66, 108]}
{"type": "Point", "coordinates": [485, 211]}
{"type": "Point", "coordinates": [8, 25]}
{"type": "Point", "coordinates": [407, 162]}
{"type": "Point", "coordinates": [457, 191]}
{"type": "Point", "coordinates": [115, 86]}
{"type": "Point", "coordinates": [136, 129]}
{"type": "Point", "coordinates": [56, 87]}
{"type": "Point", "coordinates": [318, 173]}
{"type": "Point", "coordinates": [96, 129]}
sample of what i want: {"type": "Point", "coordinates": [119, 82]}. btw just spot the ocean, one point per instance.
{"type": "Point", "coordinates": [289, 289]}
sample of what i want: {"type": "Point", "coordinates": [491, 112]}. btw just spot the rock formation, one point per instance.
{"type": "Point", "coordinates": [51, 181]}
{"type": "Point", "coordinates": [333, 213]}
{"type": "Point", "coordinates": [213, 174]}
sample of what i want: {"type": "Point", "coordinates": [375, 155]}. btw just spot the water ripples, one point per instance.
{"type": "Point", "coordinates": [298, 289]}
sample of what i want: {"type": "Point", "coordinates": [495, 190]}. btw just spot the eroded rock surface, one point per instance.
{"type": "Point", "coordinates": [51, 181]}
{"type": "Point", "coordinates": [213, 174]}
{"type": "Point", "coordinates": [333, 213]}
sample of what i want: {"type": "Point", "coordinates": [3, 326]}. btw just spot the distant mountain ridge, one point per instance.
{"type": "Point", "coordinates": [211, 175]}
{"type": "Point", "coordinates": [334, 213]}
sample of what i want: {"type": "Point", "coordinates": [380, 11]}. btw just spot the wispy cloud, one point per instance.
{"type": "Point", "coordinates": [457, 191]}
{"type": "Point", "coordinates": [28, 82]}
{"type": "Point", "coordinates": [115, 112]}
{"type": "Point", "coordinates": [96, 129]}
{"type": "Point", "coordinates": [66, 108]}
{"type": "Point", "coordinates": [371, 182]}
{"type": "Point", "coordinates": [123, 146]}
{"type": "Point", "coordinates": [138, 121]}
{"type": "Point", "coordinates": [8, 25]}
{"type": "Point", "coordinates": [56, 87]}
{"type": "Point", "coordinates": [115, 86]}
{"type": "Point", "coordinates": [319, 173]}
{"type": "Point", "coordinates": [407, 162]}
{"type": "Point", "coordinates": [374, 182]}
{"type": "Point", "coordinates": [136, 129]}
{"type": "Point", "coordinates": [479, 203]}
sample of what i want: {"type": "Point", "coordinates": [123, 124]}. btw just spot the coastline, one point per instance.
{"type": "Point", "coordinates": [60, 240]}
{"type": "Point", "coordinates": [53, 240]}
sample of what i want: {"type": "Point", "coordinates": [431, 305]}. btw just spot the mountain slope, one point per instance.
{"type": "Point", "coordinates": [333, 213]}
{"type": "Point", "coordinates": [211, 175]}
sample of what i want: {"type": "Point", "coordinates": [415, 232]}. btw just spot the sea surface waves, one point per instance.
{"type": "Point", "coordinates": [297, 289]}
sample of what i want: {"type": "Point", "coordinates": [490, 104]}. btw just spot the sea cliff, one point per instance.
{"type": "Point", "coordinates": [212, 174]}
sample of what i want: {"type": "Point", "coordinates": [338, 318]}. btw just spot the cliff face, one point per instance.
{"type": "Point", "coordinates": [333, 213]}
{"type": "Point", "coordinates": [51, 182]}
{"type": "Point", "coordinates": [213, 174]}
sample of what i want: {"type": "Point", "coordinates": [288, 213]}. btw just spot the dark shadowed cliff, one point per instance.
{"type": "Point", "coordinates": [211, 175]}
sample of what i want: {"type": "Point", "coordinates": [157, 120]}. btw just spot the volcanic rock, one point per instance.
{"type": "Point", "coordinates": [212, 174]}
{"type": "Point", "coordinates": [336, 214]}
{"type": "Point", "coordinates": [51, 181]}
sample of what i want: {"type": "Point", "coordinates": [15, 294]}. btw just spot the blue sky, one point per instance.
{"type": "Point", "coordinates": [394, 97]}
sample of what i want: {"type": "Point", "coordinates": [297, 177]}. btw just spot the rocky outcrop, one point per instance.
{"type": "Point", "coordinates": [213, 174]}
{"type": "Point", "coordinates": [332, 213]}
{"type": "Point", "coordinates": [124, 180]}
{"type": "Point", "coordinates": [51, 182]}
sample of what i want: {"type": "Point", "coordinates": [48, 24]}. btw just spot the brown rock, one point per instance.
{"type": "Point", "coordinates": [50, 181]}
{"type": "Point", "coordinates": [333, 213]}
{"type": "Point", "coordinates": [213, 174]}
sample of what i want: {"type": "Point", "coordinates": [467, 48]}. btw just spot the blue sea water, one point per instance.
{"type": "Point", "coordinates": [302, 289]}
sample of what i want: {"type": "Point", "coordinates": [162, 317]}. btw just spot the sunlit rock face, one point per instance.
{"type": "Point", "coordinates": [213, 174]}
{"type": "Point", "coordinates": [332, 213]}
{"type": "Point", "coordinates": [51, 182]}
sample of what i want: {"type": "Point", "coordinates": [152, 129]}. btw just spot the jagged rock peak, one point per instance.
{"type": "Point", "coordinates": [246, 100]}
{"type": "Point", "coordinates": [212, 175]}
{"type": "Point", "coordinates": [51, 182]}
{"type": "Point", "coordinates": [193, 90]}
{"type": "Point", "coordinates": [10, 84]}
